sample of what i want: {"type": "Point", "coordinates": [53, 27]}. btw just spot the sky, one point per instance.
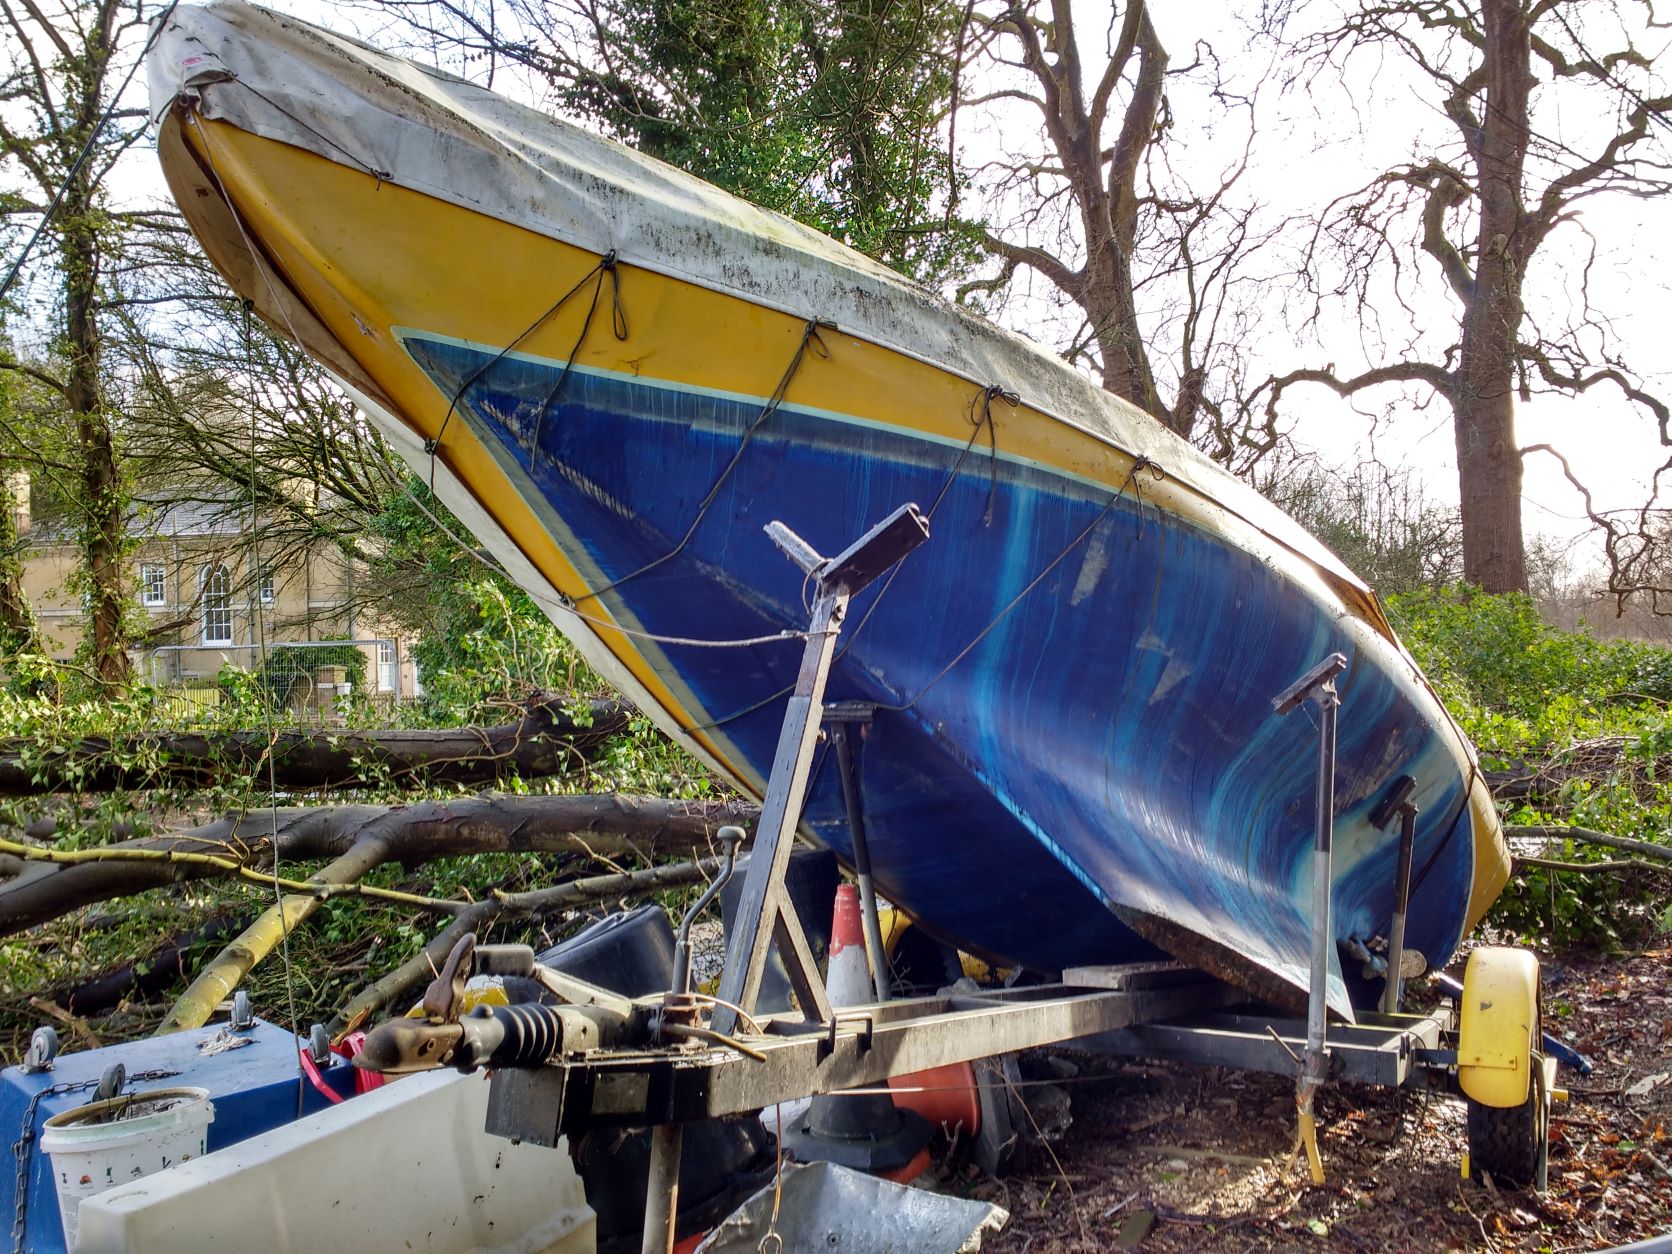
{"type": "Point", "coordinates": [1612, 445]}
{"type": "Point", "coordinates": [1315, 145]}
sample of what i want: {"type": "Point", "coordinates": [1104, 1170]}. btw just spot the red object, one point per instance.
{"type": "Point", "coordinates": [947, 1096]}
{"type": "Point", "coordinates": [318, 1081]}
{"type": "Point", "coordinates": [364, 1081]}
{"type": "Point", "coordinates": [690, 1243]}
{"type": "Point", "coordinates": [346, 1049]}
{"type": "Point", "coordinates": [845, 928]}
{"type": "Point", "coordinates": [910, 1172]}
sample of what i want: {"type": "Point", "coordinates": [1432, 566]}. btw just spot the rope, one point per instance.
{"type": "Point", "coordinates": [809, 338]}
{"type": "Point", "coordinates": [985, 399]}
{"type": "Point", "coordinates": [1142, 463]}
{"type": "Point", "coordinates": [619, 320]}
{"type": "Point", "coordinates": [259, 621]}
{"type": "Point", "coordinates": [618, 323]}
{"type": "Point", "coordinates": [382, 176]}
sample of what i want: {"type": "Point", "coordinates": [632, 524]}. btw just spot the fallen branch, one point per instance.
{"type": "Point", "coordinates": [217, 980]}
{"type": "Point", "coordinates": [1620, 864]}
{"type": "Point", "coordinates": [551, 738]}
{"type": "Point", "coordinates": [54, 882]}
{"type": "Point", "coordinates": [413, 974]}
{"type": "Point", "coordinates": [1585, 836]}
{"type": "Point", "coordinates": [151, 974]}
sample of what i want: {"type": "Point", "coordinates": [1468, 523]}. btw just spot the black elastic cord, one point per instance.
{"type": "Point", "coordinates": [810, 338]}
{"type": "Point", "coordinates": [618, 323]}
{"type": "Point", "coordinates": [606, 262]}
{"type": "Point", "coordinates": [1141, 464]}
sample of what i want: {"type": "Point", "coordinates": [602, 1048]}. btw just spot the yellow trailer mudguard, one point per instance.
{"type": "Point", "coordinates": [1498, 1026]}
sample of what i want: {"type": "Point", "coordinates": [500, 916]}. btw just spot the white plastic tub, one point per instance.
{"type": "Point", "coordinates": [406, 1167]}
{"type": "Point", "coordinates": [115, 1142]}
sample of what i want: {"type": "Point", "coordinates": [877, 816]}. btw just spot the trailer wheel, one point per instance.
{"type": "Point", "coordinates": [1508, 1142]}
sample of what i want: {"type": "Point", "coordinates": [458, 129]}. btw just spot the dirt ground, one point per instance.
{"type": "Point", "coordinates": [1173, 1158]}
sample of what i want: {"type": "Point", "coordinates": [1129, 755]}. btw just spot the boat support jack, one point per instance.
{"type": "Point", "coordinates": [1318, 687]}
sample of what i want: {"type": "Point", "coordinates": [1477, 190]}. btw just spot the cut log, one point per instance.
{"type": "Point", "coordinates": [551, 738]}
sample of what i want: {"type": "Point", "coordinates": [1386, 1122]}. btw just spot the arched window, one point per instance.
{"type": "Point", "coordinates": [216, 583]}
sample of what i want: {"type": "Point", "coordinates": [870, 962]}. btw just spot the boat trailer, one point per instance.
{"type": "Point", "coordinates": [597, 1060]}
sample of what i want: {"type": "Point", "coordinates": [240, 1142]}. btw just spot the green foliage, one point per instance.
{"type": "Point", "coordinates": [1596, 711]}
{"type": "Point", "coordinates": [482, 642]}
{"type": "Point", "coordinates": [284, 674]}
{"type": "Point", "coordinates": [1380, 522]}
{"type": "Point", "coordinates": [829, 111]}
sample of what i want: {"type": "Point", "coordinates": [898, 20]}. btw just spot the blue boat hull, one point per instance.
{"type": "Point", "coordinates": [1073, 685]}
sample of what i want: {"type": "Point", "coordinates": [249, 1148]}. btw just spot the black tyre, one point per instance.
{"type": "Point", "coordinates": [1505, 1140]}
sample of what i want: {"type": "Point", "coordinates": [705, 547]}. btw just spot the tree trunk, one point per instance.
{"type": "Point", "coordinates": [17, 620]}
{"type": "Point", "coordinates": [217, 980]}
{"type": "Point", "coordinates": [1483, 407]}
{"type": "Point", "coordinates": [1109, 218]}
{"type": "Point", "coordinates": [414, 834]}
{"type": "Point", "coordinates": [150, 974]}
{"type": "Point", "coordinates": [103, 492]}
{"type": "Point", "coordinates": [548, 740]}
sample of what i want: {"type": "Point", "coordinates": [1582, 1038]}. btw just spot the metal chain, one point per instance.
{"type": "Point", "coordinates": [26, 1141]}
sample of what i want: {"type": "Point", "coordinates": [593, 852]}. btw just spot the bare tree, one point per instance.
{"type": "Point", "coordinates": [1150, 266]}
{"type": "Point", "coordinates": [60, 133]}
{"type": "Point", "coordinates": [1548, 104]}
{"type": "Point", "coordinates": [246, 428]}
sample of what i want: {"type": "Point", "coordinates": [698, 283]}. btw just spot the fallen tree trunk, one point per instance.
{"type": "Point", "coordinates": [1543, 779]}
{"type": "Point", "coordinates": [156, 971]}
{"type": "Point", "coordinates": [53, 882]}
{"type": "Point", "coordinates": [217, 980]}
{"type": "Point", "coordinates": [1585, 836]}
{"type": "Point", "coordinates": [550, 738]}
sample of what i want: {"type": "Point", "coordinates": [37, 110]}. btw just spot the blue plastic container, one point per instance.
{"type": "Point", "coordinates": [255, 1088]}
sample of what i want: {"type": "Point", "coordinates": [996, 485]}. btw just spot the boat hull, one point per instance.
{"type": "Point", "coordinates": [1073, 678]}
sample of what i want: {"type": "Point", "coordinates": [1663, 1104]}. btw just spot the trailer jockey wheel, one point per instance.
{"type": "Point", "coordinates": [1506, 1080]}
{"type": "Point", "coordinates": [1511, 1143]}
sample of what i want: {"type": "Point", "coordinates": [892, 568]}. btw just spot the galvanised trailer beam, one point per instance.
{"type": "Point", "coordinates": [865, 1045]}
{"type": "Point", "coordinates": [1386, 1050]}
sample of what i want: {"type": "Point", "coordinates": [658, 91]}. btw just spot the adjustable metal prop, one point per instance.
{"type": "Point", "coordinates": [765, 912]}
{"type": "Point", "coordinates": [1317, 686]}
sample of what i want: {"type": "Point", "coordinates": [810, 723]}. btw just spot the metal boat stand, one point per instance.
{"type": "Point", "coordinates": [765, 912]}
{"type": "Point", "coordinates": [1318, 687]}
{"type": "Point", "coordinates": [546, 1092]}
{"type": "Point", "coordinates": [843, 717]}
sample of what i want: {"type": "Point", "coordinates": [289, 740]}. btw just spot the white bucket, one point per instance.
{"type": "Point", "coordinates": [100, 1146]}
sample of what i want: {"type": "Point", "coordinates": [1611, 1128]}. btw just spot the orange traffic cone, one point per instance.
{"type": "Point", "coordinates": [867, 1132]}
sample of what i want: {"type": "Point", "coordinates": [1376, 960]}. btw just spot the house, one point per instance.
{"type": "Point", "coordinates": [210, 600]}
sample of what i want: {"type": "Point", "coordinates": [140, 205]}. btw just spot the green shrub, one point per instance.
{"type": "Point", "coordinates": [1525, 692]}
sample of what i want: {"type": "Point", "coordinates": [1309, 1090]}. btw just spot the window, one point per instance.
{"type": "Point", "coordinates": [266, 590]}
{"type": "Point", "coordinates": [153, 585]}
{"type": "Point", "coordinates": [388, 673]}
{"type": "Point", "coordinates": [216, 583]}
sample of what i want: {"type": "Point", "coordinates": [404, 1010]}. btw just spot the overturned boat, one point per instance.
{"type": "Point", "coordinates": [617, 375]}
